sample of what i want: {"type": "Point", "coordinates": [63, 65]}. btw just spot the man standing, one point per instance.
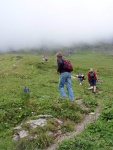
{"type": "Point", "coordinates": [65, 78]}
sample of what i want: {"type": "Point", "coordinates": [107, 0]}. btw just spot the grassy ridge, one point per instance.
{"type": "Point", "coordinates": [41, 78]}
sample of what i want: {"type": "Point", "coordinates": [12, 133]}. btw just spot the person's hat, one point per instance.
{"type": "Point", "coordinates": [59, 54]}
{"type": "Point", "coordinates": [91, 70]}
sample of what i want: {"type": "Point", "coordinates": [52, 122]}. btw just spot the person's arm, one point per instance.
{"type": "Point", "coordinates": [76, 76]}
{"type": "Point", "coordinates": [83, 77]}
{"type": "Point", "coordinates": [60, 65]}
{"type": "Point", "coordinates": [96, 77]}
{"type": "Point", "coordinates": [88, 77]}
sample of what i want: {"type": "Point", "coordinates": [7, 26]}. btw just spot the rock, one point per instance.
{"type": "Point", "coordinates": [38, 122]}
{"type": "Point", "coordinates": [16, 137]}
{"type": "Point", "coordinates": [23, 133]}
{"type": "Point", "coordinates": [17, 128]}
{"type": "Point", "coordinates": [59, 121]}
{"type": "Point", "coordinates": [44, 116]}
{"type": "Point", "coordinates": [18, 57]}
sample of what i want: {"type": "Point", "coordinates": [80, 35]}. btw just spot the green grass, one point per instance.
{"type": "Point", "coordinates": [41, 78]}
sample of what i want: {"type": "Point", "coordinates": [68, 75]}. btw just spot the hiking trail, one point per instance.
{"type": "Point", "coordinates": [89, 118]}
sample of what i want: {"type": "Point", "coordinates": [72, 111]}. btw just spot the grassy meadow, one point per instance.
{"type": "Point", "coordinates": [41, 78]}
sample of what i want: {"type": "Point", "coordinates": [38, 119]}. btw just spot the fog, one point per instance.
{"type": "Point", "coordinates": [52, 23]}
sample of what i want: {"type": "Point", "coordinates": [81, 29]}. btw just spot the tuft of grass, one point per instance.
{"type": "Point", "coordinates": [52, 125]}
{"type": "Point", "coordinates": [68, 126]}
{"type": "Point", "coordinates": [91, 102]}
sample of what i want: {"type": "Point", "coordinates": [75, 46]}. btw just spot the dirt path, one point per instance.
{"type": "Point", "coordinates": [79, 127]}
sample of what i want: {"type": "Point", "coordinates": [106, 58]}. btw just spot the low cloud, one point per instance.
{"type": "Point", "coordinates": [34, 23]}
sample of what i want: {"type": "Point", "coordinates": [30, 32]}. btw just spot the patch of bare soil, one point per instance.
{"type": "Point", "coordinates": [89, 118]}
{"type": "Point", "coordinates": [82, 104]}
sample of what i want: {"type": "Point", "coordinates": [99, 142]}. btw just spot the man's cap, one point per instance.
{"type": "Point", "coordinates": [59, 54]}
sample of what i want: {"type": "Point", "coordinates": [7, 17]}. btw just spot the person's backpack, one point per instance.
{"type": "Point", "coordinates": [91, 74]}
{"type": "Point", "coordinates": [81, 76]}
{"type": "Point", "coordinates": [67, 65]}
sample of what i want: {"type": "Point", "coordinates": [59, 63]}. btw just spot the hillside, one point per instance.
{"type": "Point", "coordinates": [19, 70]}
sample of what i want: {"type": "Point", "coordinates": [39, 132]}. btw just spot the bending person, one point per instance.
{"type": "Point", "coordinates": [80, 78]}
{"type": "Point", "coordinates": [92, 78]}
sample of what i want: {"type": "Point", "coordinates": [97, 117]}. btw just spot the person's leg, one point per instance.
{"type": "Point", "coordinates": [79, 81]}
{"type": "Point", "coordinates": [69, 86]}
{"type": "Point", "coordinates": [61, 85]}
{"type": "Point", "coordinates": [94, 86]}
{"type": "Point", "coordinates": [91, 85]}
{"type": "Point", "coordinates": [94, 89]}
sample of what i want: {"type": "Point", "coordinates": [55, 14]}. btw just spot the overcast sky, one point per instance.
{"type": "Point", "coordinates": [32, 23]}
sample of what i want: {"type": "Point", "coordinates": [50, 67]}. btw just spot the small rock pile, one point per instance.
{"type": "Point", "coordinates": [41, 121]}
